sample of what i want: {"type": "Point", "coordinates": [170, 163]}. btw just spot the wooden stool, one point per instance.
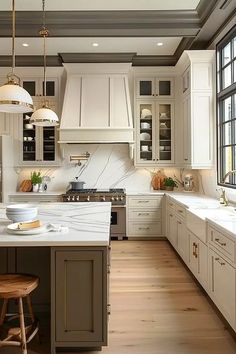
{"type": "Point", "coordinates": [18, 286]}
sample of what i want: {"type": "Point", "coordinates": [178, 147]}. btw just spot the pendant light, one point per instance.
{"type": "Point", "coordinates": [44, 117]}
{"type": "Point", "coordinates": [13, 97]}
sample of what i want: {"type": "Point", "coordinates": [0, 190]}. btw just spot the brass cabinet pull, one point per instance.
{"type": "Point", "coordinates": [144, 228]}
{"type": "Point", "coordinates": [219, 261]}
{"type": "Point", "coordinates": [194, 248]}
{"type": "Point", "coordinates": [220, 243]}
{"type": "Point", "coordinates": [143, 201]}
{"type": "Point", "coordinates": [180, 211]}
{"type": "Point", "coordinates": [171, 215]}
{"type": "Point", "coordinates": [179, 222]}
{"type": "Point", "coordinates": [139, 214]}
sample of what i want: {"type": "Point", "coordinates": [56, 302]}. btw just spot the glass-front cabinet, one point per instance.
{"type": "Point", "coordinates": [154, 88]}
{"type": "Point", "coordinates": [35, 87]}
{"type": "Point", "coordinates": [154, 132]}
{"type": "Point", "coordinates": [38, 144]}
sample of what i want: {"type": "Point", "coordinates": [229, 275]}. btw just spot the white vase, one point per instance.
{"type": "Point", "coordinates": [35, 187]}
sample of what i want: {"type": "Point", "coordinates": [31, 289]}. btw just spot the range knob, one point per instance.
{"type": "Point", "coordinates": [117, 199]}
{"type": "Point", "coordinates": [73, 198]}
{"type": "Point", "coordinates": [112, 199]}
{"type": "Point", "coordinates": [121, 198]}
{"type": "Point", "coordinates": [88, 198]}
{"type": "Point", "coordinates": [68, 198]}
{"type": "Point", "coordinates": [77, 198]}
{"type": "Point", "coordinates": [103, 199]}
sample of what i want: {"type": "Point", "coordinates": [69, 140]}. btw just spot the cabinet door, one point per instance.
{"type": "Point", "coordinates": [79, 296]}
{"type": "Point", "coordinates": [198, 256]}
{"type": "Point", "coordinates": [172, 230]}
{"type": "Point", "coordinates": [222, 285]}
{"type": "Point", "coordinates": [186, 111]}
{"type": "Point", "coordinates": [145, 128]}
{"type": "Point", "coordinates": [164, 87]}
{"type": "Point", "coordinates": [164, 132]}
{"type": "Point", "coordinates": [145, 88]}
{"type": "Point", "coordinates": [182, 239]}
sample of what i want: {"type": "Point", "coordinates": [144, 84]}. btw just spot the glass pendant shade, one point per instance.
{"type": "Point", "coordinates": [44, 117]}
{"type": "Point", "coordinates": [15, 99]}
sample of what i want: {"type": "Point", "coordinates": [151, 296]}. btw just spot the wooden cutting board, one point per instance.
{"type": "Point", "coordinates": [25, 186]}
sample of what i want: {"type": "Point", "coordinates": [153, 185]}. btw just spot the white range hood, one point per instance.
{"type": "Point", "coordinates": [96, 106]}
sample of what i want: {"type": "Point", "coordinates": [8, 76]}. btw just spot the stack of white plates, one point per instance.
{"type": "Point", "coordinates": [21, 212]}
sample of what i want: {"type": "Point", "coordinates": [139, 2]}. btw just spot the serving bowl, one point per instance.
{"type": "Point", "coordinates": [21, 212]}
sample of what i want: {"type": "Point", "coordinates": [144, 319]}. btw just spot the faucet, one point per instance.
{"type": "Point", "coordinates": [223, 198]}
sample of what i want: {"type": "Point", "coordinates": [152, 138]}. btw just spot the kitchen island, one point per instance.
{"type": "Point", "coordinates": [73, 267]}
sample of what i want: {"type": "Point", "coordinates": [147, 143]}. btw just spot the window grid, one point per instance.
{"type": "Point", "coordinates": [226, 108]}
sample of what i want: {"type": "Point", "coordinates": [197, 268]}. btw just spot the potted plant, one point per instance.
{"type": "Point", "coordinates": [36, 180]}
{"type": "Point", "coordinates": [170, 184]}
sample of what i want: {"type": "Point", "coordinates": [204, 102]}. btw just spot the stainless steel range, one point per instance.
{"type": "Point", "coordinates": [117, 197]}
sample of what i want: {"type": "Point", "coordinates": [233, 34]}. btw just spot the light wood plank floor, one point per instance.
{"type": "Point", "coordinates": [157, 308]}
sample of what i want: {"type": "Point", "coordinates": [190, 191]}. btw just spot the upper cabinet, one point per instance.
{"type": "Point", "coordinates": [35, 87]}
{"type": "Point", "coordinates": [194, 133]}
{"type": "Point", "coordinates": [154, 121]}
{"type": "Point", "coordinates": [154, 87]}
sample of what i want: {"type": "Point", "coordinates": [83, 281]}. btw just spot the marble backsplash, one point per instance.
{"type": "Point", "coordinates": [109, 166]}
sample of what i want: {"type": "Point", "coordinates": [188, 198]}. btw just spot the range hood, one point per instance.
{"type": "Point", "coordinates": [96, 106]}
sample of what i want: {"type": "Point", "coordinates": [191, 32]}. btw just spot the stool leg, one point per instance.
{"type": "Point", "coordinates": [32, 315]}
{"type": "Point", "coordinates": [4, 311]}
{"type": "Point", "coordinates": [22, 326]}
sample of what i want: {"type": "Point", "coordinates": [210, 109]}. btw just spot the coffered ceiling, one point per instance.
{"type": "Point", "coordinates": [124, 30]}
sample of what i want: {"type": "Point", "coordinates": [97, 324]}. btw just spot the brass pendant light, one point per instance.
{"type": "Point", "coordinates": [44, 116]}
{"type": "Point", "coordinates": [13, 97]}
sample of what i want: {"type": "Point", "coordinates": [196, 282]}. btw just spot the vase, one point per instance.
{"type": "Point", "coordinates": [169, 188]}
{"type": "Point", "coordinates": [40, 187]}
{"type": "Point", "coordinates": [35, 187]}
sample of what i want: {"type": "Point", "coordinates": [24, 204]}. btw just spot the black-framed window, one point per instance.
{"type": "Point", "coordinates": [226, 108]}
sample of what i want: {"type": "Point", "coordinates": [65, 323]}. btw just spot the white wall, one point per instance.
{"type": "Point", "coordinates": [109, 166]}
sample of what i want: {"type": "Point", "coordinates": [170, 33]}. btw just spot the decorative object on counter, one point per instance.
{"type": "Point", "coordinates": [35, 230]}
{"type": "Point", "coordinates": [188, 183]}
{"type": "Point", "coordinates": [79, 158]}
{"type": "Point", "coordinates": [158, 179]}
{"type": "Point", "coordinates": [44, 117]}
{"type": "Point", "coordinates": [76, 184]}
{"type": "Point", "coordinates": [26, 186]}
{"type": "Point", "coordinates": [45, 181]}
{"type": "Point", "coordinates": [170, 184]}
{"type": "Point", "coordinates": [21, 212]}
{"type": "Point", "coordinates": [13, 97]}
{"type": "Point", "coordinates": [36, 180]}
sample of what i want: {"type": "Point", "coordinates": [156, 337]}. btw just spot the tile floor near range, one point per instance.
{"type": "Point", "coordinates": [157, 308]}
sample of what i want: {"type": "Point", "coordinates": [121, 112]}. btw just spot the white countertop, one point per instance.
{"type": "Point", "coordinates": [89, 225]}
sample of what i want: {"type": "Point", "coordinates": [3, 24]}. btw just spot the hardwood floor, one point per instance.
{"type": "Point", "coordinates": [157, 308]}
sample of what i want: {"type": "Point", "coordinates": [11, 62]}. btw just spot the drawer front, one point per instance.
{"type": "Point", "coordinates": [180, 211]}
{"type": "Point", "coordinates": [171, 204]}
{"type": "Point", "coordinates": [145, 215]}
{"type": "Point", "coordinates": [144, 229]}
{"type": "Point", "coordinates": [147, 202]}
{"type": "Point", "coordinates": [222, 243]}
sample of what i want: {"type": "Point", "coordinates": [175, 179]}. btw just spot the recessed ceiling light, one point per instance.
{"type": "Point", "coordinates": [159, 44]}
{"type": "Point", "coordinates": [25, 44]}
{"type": "Point", "coordinates": [95, 44]}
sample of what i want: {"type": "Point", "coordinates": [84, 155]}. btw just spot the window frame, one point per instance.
{"type": "Point", "coordinates": [221, 95]}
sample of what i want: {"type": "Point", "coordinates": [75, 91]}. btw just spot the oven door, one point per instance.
{"type": "Point", "coordinates": [118, 221]}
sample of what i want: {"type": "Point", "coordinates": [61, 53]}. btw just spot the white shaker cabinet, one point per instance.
{"type": "Point", "coordinates": [144, 216]}
{"type": "Point", "coordinates": [194, 136]}
{"type": "Point", "coordinates": [154, 87]}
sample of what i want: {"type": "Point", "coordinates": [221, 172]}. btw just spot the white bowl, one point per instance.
{"type": "Point", "coordinates": [21, 212]}
{"type": "Point", "coordinates": [146, 113]}
{"type": "Point", "coordinates": [29, 126]}
{"type": "Point", "coordinates": [145, 136]}
{"type": "Point", "coordinates": [145, 125]}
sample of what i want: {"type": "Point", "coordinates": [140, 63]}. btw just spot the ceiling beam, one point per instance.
{"type": "Point", "coordinates": [103, 23]}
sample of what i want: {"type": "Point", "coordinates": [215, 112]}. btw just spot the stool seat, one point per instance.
{"type": "Point", "coordinates": [17, 285]}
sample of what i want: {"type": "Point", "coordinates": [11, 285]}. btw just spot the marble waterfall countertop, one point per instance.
{"type": "Point", "coordinates": [88, 223]}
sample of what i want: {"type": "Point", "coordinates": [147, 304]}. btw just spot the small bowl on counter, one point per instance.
{"type": "Point", "coordinates": [21, 212]}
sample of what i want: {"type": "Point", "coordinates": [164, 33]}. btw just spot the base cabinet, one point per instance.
{"type": "Point", "coordinates": [79, 317]}
{"type": "Point", "coordinates": [144, 216]}
{"type": "Point", "coordinates": [222, 286]}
